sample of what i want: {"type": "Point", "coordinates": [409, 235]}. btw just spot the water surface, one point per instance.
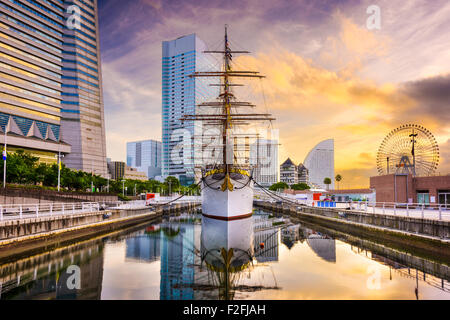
{"type": "Point", "coordinates": [272, 258]}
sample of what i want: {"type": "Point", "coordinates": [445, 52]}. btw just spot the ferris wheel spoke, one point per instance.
{"type": "Point", "coordinates": [400, 143]}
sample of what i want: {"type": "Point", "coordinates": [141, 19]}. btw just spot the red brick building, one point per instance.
{"type": "Point", "coordinates": [409, 189]}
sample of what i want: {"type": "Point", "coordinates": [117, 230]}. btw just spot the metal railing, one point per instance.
{"type": "Point", "coordinates": [433, 211]}
{"type": "Point", "coordinates": [29, 211]}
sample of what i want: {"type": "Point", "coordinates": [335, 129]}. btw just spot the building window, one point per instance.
{"type": "Point", "coordinates": [423, 197]}
{"type": "Point", "coordinates": [444, 197]}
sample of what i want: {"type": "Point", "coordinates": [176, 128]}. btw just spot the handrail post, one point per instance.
{"type": "Point", "coordinates": [440, 212]}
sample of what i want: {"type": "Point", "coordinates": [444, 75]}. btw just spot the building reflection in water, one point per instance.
{"type": "Point", "coordinates": [144, 246]}
{"type": "Point", "coordinates": [46, 276]}
{"type": "Point", "coordinates": [177, 261]}
{"type": "Point", "coordinates": [323, 246]}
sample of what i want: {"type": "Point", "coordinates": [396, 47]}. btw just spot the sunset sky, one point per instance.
{"type": "Point", "coordinates": [328, 75]}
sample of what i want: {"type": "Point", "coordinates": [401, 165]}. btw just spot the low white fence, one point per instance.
{"type": "Point", "coordinates": [412, 210]}
{"type": "Point", "coordinates": [26, 211]}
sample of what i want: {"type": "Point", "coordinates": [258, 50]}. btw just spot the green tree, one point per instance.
{"type": "Point", "coordinates": [300, 186]}
{"type": "Point", "coordinates": [338, 179]}
{"type": "Point", "coordinates": [172, 184]}
{"type": "Point", "coordinates": [279, 186]}
{"type": "Point", "coordinates": [327, 181]}
{"type": "Point", "coordinates": [20, 168]}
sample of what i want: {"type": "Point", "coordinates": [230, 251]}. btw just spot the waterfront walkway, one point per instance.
{"type": "Point", "coordinates": [412, 210]}
{"type": "Point", "coordinates": [32, 211]}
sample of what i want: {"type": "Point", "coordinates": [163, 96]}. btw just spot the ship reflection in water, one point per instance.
{"type": "Point", "coordinates": [189, 257]}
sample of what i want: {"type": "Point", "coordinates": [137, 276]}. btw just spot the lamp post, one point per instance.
{"type": "Point", "coordinates": [59, 157]}
{"type": "Point", "coordinates": [4, 159]}
{"type": "Point", "coordinates": [170, 188]}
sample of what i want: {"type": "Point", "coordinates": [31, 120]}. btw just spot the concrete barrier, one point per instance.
{"type": "Point", "coordinates": [12, 195]}
{"type": "Point", "coordinates": [21, 236]}
{"type": "Point", "coordinates": [425, 238]}
{"type": "Point", "coordinates": [426, 227]}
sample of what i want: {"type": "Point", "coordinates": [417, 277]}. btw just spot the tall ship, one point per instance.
{"type": "Point", "coordinates": [226, 178]}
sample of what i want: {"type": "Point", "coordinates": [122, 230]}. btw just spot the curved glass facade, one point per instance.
{"type": "Point", "coordinates": [320, 164]}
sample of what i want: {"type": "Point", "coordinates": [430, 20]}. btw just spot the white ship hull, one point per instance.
{"type": "Point", "coordinates": [228, 205]}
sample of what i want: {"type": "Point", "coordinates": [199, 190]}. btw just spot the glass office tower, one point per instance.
{"type": "Point", "coordinates": [145, 156]}
{"type": "Point", "coordinates": [50, 79]}
{"type": "Point", "coordinates": [180, 95]}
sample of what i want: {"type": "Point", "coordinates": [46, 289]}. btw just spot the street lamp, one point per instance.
{"type": "Point", "coordinates": [4, 159]}
{"type": "Point", "coordinates": [59, 156]}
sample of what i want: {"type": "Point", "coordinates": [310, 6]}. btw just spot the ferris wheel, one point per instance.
{"type": "Point", "coordinates": [409, 149]}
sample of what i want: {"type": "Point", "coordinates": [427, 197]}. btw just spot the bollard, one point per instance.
{"type": "Point", "coordinates": [440, 212]}
{"type": "Point", "coordinates": [20, 211]}
{"type": "Point", "coordinates": [407, 210]}
{"type": "Point", "coordinates": [384, 212]}
{"type": "Point", "coordinates": [395, 209]}
{"type": "Point", "coordinates": [1, 213]}
{"type": "Point", "coordinates": [51, 209]}
{"type": "Point", "coordinates": [423, 211]}
{"type": "Point", "coordinates": [37, 211]}
{"type": "Point", "coordinates": [62, 209]}
{"type": "Point", "coordinates": [73, 208]}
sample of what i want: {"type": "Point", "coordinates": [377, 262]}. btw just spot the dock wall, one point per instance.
{"type": "Point", "coordinates": [422, 236]}
{"type": "Point", "coordinates": [22, 236]}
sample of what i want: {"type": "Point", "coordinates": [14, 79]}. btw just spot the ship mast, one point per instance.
{"type": "Point", "coordinates": [226, 95]}
{"type": "Point", "coordinates": [227, 119]}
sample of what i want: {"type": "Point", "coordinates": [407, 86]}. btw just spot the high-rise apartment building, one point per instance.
{"type": "Point", "coordinates": [264, 159]}
{"type": "Point", "coordinates": [145, 156]}
{"type": "Point", "coordinates": [180, 95]}
{"type": "Point", "coordinates": [50, 80]}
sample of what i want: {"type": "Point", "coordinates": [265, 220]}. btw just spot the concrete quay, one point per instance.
{"type": "Point", "coordinates": [422, 236]}
{"type": "Point", "coordinates": [23, 237]}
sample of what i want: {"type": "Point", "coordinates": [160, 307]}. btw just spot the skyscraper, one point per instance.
{"type": "Point", "coordinates": [180, 58]}
{"type": "Point", "coordinates": [50, 79]}
{"type": "Point", "coordinates": [145, 156]}
{"type": "Point", "coordinates": [264, 156]}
